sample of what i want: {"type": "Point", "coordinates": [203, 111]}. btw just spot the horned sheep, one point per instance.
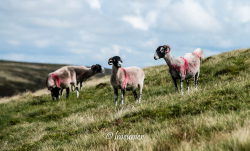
{"type": "Point", "coordinates": [130, 78]}
{"type": "Point", "coordinates": [182, 68]}
{"type": "Point", "coordinates": [69, 77]}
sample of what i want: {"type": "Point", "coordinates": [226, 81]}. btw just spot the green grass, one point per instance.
{"type": "Point", "coordinates": [214, 117]}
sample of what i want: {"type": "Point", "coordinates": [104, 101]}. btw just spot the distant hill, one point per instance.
{"type": "Point", "coordinates": [18, 77]}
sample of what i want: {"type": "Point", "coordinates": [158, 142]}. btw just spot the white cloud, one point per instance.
{"type": "Point", "coordinates": [243, 13]}
{"type": "Point", "coordinates": [136, 22]}
{"type": "Point", "coordinates": [139, 22]}
{"type": "Point", "coordinates": [95, 4]}
{"type": "Point", "coordinates": [237, 12]}
{"type": "Point", "coordinates": [190, 15]}
{"type": "Point", "coordinates": [184, 15]}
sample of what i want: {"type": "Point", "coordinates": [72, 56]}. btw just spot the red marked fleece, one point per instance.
{"type": "Point", "coordinates": [56, 79]}
{"type": "Point", "coordinates": [125, 79]}
{"type": "Point", "coordinates": [184, 68]}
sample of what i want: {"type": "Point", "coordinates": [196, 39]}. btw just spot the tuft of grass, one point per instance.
{"type": "Point", "coordinates": [214, 117]}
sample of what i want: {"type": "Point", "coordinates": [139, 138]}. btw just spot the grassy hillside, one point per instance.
{"type": "Point", "coordinates": [17, 77]}
{"type": "Point", "coordinates": [214, 117]}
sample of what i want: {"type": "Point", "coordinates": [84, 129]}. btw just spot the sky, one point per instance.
{"type": "Point", "coordinates": [86, 32]}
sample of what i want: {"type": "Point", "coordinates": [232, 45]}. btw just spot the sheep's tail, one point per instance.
{"type": "Point", "coordinates": [199, 53]}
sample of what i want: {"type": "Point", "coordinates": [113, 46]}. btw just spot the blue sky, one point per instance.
{"type": "Point", "coordinates": [86, 32]}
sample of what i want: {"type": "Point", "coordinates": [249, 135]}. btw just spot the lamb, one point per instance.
{"type": "Point", "coordinates": [182, 68]}
{"type": "Point", "coordinates": [69, 76]}
{"type": "Point", "coordinates": [130, 78]}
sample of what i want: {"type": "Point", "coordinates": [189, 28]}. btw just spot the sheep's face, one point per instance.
{"type": "Point", "coordinates": [116, 61]}
{"type": "Point", "coordinates": [97, 68]}
{"type": "Point", "coordinates": [55, 93]}
{"type": "Point", "coordinates": [161, 51]}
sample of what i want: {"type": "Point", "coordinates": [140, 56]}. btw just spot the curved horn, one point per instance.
{"type": "Point", "coordinates": [110, 61]}
{"type": "Point", "coordinates": [167, 47]}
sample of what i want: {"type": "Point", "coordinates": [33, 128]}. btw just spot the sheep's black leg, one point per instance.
{"type": "Point", "coordinates": [175, 84]}
{"type": "Point", "coordinates": [196, 80]}
{"type": "Point", "coordinates": [52, 95]}
{"type": "Point", "coordinates": [116, 96]}
{"type": "Point", "coordinates": [122, 96]}
{"type": "Point", "coordinates": [67, 93]}
{"type": "Point", "coordinates": [187, 82]}
{"type": "Point", "coordinates": [135, 95]}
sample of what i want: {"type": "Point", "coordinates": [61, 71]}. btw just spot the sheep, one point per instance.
{"type": "Point", "coordinates": [85, 73]}
{"type": "Point", "coordinates": [130, 78]}
{"type": "Point", "coordinates": [69, 76]}
{"type": "Point", "coordinates": [182, 68]}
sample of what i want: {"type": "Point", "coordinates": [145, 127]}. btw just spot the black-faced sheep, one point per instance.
{"type": "Point", "coordinates": [182, 68]}
{"type": "Point", "coordinates": [69, 76]}
{"type": "Point", "coordinates": [130, 78]}
{"type": "Point", "coordinates": [84, 73]}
